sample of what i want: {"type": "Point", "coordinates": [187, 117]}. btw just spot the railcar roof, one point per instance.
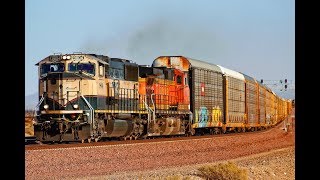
{"type": "Point", "coordinates": [183, 63]}
{"type": "Point", "coordinates": [231, 73]}
{"type": "Point", "coordinates": [248, 78]}
{"type": "Point", "coordinates": [262, 85]}
{"type": "Point", "coordinates": [203, 64]}
{"type": "Point", "coordinates": [268, 89]}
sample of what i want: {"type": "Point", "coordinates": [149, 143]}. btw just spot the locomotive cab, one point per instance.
{"type": "Point", "coordinates": [63, 110]}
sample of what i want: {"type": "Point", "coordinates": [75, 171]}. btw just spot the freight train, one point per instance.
{"type": "Point", "coordinates": [89, 97]}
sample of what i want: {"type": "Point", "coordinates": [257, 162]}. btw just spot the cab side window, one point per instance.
{"type": "Point", "coordinates": [101, 70]}
{"type": "Point", "coordinates": [179, 79]}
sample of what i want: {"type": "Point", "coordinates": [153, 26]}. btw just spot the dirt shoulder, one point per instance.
{"type": "Point", "coordinates": [271, 165]}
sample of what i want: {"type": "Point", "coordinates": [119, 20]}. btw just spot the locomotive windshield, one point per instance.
{"type": "Point", "coordinates": [116, 70]}
{"type": "Point", "coordinates": [85, 67]}
{"type": "Point", "coordinates": [56, 67]}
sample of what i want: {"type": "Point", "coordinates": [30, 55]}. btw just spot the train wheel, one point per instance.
{"type": "Point", "coordinates": [243, 129]}
{"type": "Point", "coordinates": [82, 140]}
{"type": "Point", "coordinates": [211, 131]}
{"type": "Point", "coordinates": [202, 133]}
{"type": "Point", "coordinates": [224, 130]}
{"type": "Point", "coordinates": [89, 140]}
{"type": "Point", "coordinates": [136, 136]}
{"type": "Point", "coordinates": [192, 132]}
{"type": "Point", "coordinates": [215, 130]}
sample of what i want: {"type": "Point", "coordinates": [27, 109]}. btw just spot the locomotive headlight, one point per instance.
{"type": "Point", "coordinates": [75, 106]}
{"type": "Point", "coordinates": [46, 106]}
{"type": "Point", "coordinates": [64, 57]}
{"type": "Point", "coordinates": [68, 57]}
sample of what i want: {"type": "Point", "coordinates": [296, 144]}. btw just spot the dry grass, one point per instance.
{"type": "Point", "coordinates": [177, 177]}
{"type": "Point", "coordinates": [28, 124]}
{"type": "Point", "coordinates": [227, 171]}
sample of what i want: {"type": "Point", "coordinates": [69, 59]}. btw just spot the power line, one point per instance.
{"type": "Point", "coordinates": [280, 85]}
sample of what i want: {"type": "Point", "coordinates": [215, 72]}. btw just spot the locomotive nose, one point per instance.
{"type": "Point", "coordinates": [61, 91]}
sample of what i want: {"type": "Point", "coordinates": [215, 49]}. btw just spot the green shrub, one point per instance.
{"type": "Point", "coordinates": [228, 171]}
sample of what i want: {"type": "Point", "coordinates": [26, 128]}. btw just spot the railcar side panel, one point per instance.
{"type": "Point", "coordinates": [236, 102]}
{"type": "Point", "coordinates": [273, 114]}
{"type": "Point", "coordinates": [269, 108]}
{"type": "Point", "coordinates": [207, 100]}
{"type": "Point", "coordinates": [252, 103]}
{"type": "Point", "coordinates": [262, 104]}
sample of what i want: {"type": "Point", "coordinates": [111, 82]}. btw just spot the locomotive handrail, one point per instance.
{"type": "Point", "coordinates": [147, 107]}
{"type": "Point", "coordinates": [152, 100]}
{"type": "Point", "coordinates": [153, 110]}
{"type": "Point", "coordinates": [150, 110]}
{"type": "Point", "coordinates": [90, 107]}
{"type": "Point", "coordinates": [76, 95]}
{"type": "Point", "coordinates": [37, 106]}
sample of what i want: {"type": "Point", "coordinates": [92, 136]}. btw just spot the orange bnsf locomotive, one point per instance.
{"type": "Point", "coordinates": [84, 97]}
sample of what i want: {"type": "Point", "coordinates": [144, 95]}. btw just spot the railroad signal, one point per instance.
{"type": "Point", "coordinates": [281, 84]}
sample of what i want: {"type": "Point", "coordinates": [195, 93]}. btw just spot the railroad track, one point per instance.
{"type": "Point", "coordinates": [104, 142]}
{"type": "Point", "coordinates": [30, 140]}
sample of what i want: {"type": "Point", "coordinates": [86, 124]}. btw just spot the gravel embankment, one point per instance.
{"type": "Point", "coordinates": [273, 165]}
{"type": "Point", "coordinates": [147, 160]}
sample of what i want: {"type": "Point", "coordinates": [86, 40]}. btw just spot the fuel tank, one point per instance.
{"type": "Point", "coordinates": [118, 127]}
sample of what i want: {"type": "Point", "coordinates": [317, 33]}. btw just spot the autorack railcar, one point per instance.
{"type": "Point", "coordinates": [252, 103]}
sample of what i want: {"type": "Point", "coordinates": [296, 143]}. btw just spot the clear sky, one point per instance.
{"type": "Point", "coordinates": [256, 37]}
